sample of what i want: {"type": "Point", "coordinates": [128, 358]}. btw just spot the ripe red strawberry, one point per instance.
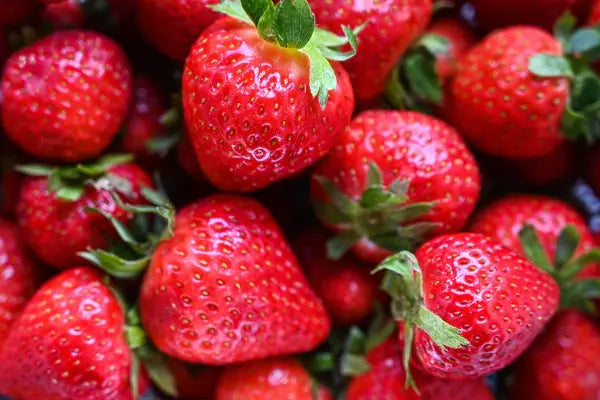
{"type": "Point", "coordinates": [233, 288]}
{"type": "Point", "coordinates": [493, 14]}
{"type": "Point", "coordinates": [65, 13]}
{"type": "Point", "coordinates": [19, 276]}
{"type": "Point", "coordinates": [68, 343]}
{"type": "Point", "coordinates": [594, 14]}
{"type": "Point", "coordinates": [346, 286]}
{"type": "Point", "coordinates": [270, 379]}
{"type": "Point", "coordinates": [501, 107]}
{"type": "Point", "coordinates": [172, 26]}
{"type": "Point", "coordinates": [503, 219]}
{"type": "Point", "coordinates": [75, 13]}
{"type": "Point", "coordinates": [143, 121]}
{"type": "Point", "coordinates": [13, 13]}
{"type": "Point", "coordinates": [65, 96]}
{"type": "Point", "coordinates": [194, 381]}
{"type": "Point", "coordinates": [475, 304]}
{"type": "Point", "coordinates": [460, 39]}
{"type": "Point", "coordinates": [57, 224]}
{"type": "Point", "coordinates": [385, 380]}
{"type": "Point", "coordinates": [254, 112]}
{"type": "Point", "coordinates": [423, 163]}
{"type": "Point", "coordinates": [392, 26]}
{"type": "Point", "coordinates": [562, 364]}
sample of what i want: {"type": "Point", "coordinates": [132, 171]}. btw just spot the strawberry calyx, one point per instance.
{"type": "Point", "coordinates": [574, 292]}
{"type": "Point", "coordinates": [403, 281]}
{"type": "Point", "coordinates": [380, 215]}
{"type": "Point", "coordinates": [172, 120]}
{"type": "Point", "coordinates": [291, 24]}
{"type": "Point", "coordinates": [414, 83]}
{"type": "Point", "coordinates": [581, 117]}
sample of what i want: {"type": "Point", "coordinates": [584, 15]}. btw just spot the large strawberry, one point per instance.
{"type": "Point", "coordinates": [69, 343]}
{"type": "Point", "coordinates": [519, 93]}
{"type": "Point", "coordinates": [262, 104]}
{"type": "Point", "coordinates": [19, 276]}
{"type": "Point", "coordinates": [270, 379]}
{"type": "Point", "coordinates": [391, 27]}
{"type": "Point", "coordinates": [172, 26]}
{"type": "Point", "coordinates": [562, 364]}
{"type": "Point", "coordinates": [392, 179]}
{"type": "Point", "coordinates": [346, 286]}
{"type": "Point", "coordinates": [65, 96]}
{"type": "Point", "coordinates": [385, 380]}
{"type": "Point", "coordinates": [61, 213]}
{"type": "Point", "coordinates": [468, 306]}
{"type": "Point", "coordinates": [227, 288]}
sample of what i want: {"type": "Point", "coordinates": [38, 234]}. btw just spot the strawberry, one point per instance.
{"type": "Point", "coordinates": [270, 379]}
{"type": "Point", "coordinates": [143, 121]}
{"type": "Point", "coordinates": [594, 14]}
{"type": "Point", "coordinates": [233, 287]}
{"type": "Point", "coordinates": [492, 14]}
{"type": "Point", "coordinates": [69, 343]}
{"type": "Point", "coordinates": [194, 381]}
{"type": "Point", "coordinates": [13, 13]}
{"type": "Point", "coordinates": [460, 39]}
{"type": "Point", "coordinates": [346, 286]}
{"type": "Point", "coordinates": [79, 99]}
{"type": "Point", "coordinates": [172, 26]}
{"type": "Point", "coordinates": [385, 380]}
{"type": "Point", "coordinates": [562, 363]}
{"type": "Point", "coordinates": [393, 179]}
{"type": "Point", "coordinates": [19, 276]}
{"type": "Point", "coordinates": [54, 213]}
{"type": "Point", "coordinates": [258, 107]}
{"type": "Point", "coordinates": [65, 13]}
{"type": "Point", "coordinates": [392, 26]}
{"type": "Point", "coordinates": [75, 13]}
{"type": "Point", "coordinates": [489, 304]}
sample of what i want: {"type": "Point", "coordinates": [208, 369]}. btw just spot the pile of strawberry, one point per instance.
{"type": "Point", "coordinates": [299, 200]}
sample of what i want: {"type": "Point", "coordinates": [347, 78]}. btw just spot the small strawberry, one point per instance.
{"type": "Point", "coordinates": [69, 343]}
{"type": "Point", "coordinates": [392, 179]}
{"type": "Point", "coordinates": [519, 93]}
{"type": "Point", "coordinates": [172, 26]}
{"type": "Point", "coordinates": [562, 364]}
{"type": "Point", "coordinates": [467, 305]}
{"type": "Point", "coordinates": [270, 379]}
{"type": "Point", "coordinates": [385, 380]}
{"type": "Point", "coordinates": [55, 208]}
{"type": "Point", "coordinates": [65, 96]}
{"type": "Point", "coordinates": [460, 39]}
{"type": "Point", "coordinates": [19, 276]}
{"type": "Point", "coordinates": [261, 104]}
{"type": "Point", "coordinates": [233, 288]}
{"type": "Point", "coordinates": [347, 289]}
{"type": "Point", "coordinates": [391, 27]}
{"type": "Point", "coordinates": [14, 13]}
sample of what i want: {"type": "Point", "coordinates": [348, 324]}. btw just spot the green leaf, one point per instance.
{"type": "Point", "coordinates": [395, 92]}
{"type": "Point", "coordinates": [134, 377]}
{"type": "Point", "coordinates": [589, 288]}
{"type": "Point", "coordinates": [434, 44]}
{"type": "Point", "coordinates": [70, 193]}
{"type": "Point", "coordinates": [392, 242]}
{"type": "Point", "coordinates": [584, 41]}
{"type": "Point", "coordinates": [162, 145]}
{"type": "Point", "coordinates": [34, 169]}
{"type": "Point", "coordinates": [410, 212]}
{"type": "Point", "coordinates": [344, 203]}
{"type": "Point", "coordinates": [115, 265]}
{"type": "Point", "coordinates": [233, 8]}
{"type": "Point", "coordinates": [339, 245]}
{"type": "Point", "coordinates": [374, 177]}
{"type": "Point", "coordinates": [547, 65]}
{"type": "Point", "coordinates": [256, 8]}
{"type": "Point", "coordinates": [441, 332]}
{"type": "Point", "coordinates": [422, 78]}
{"type": "Point", "coordinates": [566, 245]}
{"type": "Point", "coordinates": [373, 197]}
{"type": "Point", "coordinates": [354, 365]}
{"type": "Point", "coordinates": [294, 23]}
{"type": "Point", "coordinates": [329, 213]}
{"type": "Point", "coordinates": [355, 342]}
{"type": "Point", "coordinates": [320, 362]}
{"type": "Point", "coordinates": [380, 328]}
{"type": "Point", "coordinates": [158, 369]}
{"type": "Point", "coordinates": [322, 76]}
{"type": "Point", "coordinates": [563, 28]}
{"type": "Point", "coordinates": [417, 231]}
{"type": "Point", "coordinates": [573, 268]}
{"type": "Point", "coordinates": [533, 248]}
{"type": "Point", "coordinates": [101, 166]}
{"type": "Point", "coordinates": [336, 55]}
{"type": "Point", "coordinates": [266, 25]}
{"type": "Point", "coordinates": [136, 337]}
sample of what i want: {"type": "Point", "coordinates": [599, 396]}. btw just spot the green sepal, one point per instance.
{"type": "Point", "coordinates": [162, 145]}
{"type": "Point", "coordinates": [352, 359]}
{"type": "Point", "coordinates": [256, 8]}
{"type": "Point", "coordinates": [380, 215]}
{"type": "Point", "coordinates": [320, 362]}
{"type": "Point", "coordinates": [550, 66]}
{"type": "Point", "coordinates": [382, 326]}
{"type": "Point", "coordinates": [563, 28]}
{"type": "Point", "coordinates": [533, 248]}
{"type": "Point", "coordinates": [157, 367]}
{"type": "Point", "coordinates": [294, 23]}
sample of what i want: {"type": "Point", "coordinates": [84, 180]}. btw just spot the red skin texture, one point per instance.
{"type": "Point", "coordinates": [503, 219]}
{"type": "Point", "coordinates": [19, 276]}
{"type": "Point", "coordinates": [497, 299]}
{"type": "Point", "coordinates": [66, 95]}
{"type": "Point", "coordinates": [143, 120]}
{"type": "Point", "coordinates": [66, 13]}
{"type": "Point", "coordinates": [172, 26]}
{"type": "Point", "coordinates": [14, 12]}
{"type": "Point", "coordinates": [270, 379]}
{"type": "Point", "coordinates": [56, 230]}
{"type": "Point", "coordinates": [68, 343]}
{"type": "Point", "coordinates": [393, 25]}
{"type": "Point", "coordinates": [233, 287]}
{"type": "Point", "coordinates": [193, 381]}
{"type": "Point", "coordinates": [498, 105]}
{"type": "Point", "coordinates": [460, 40]}
{"type": "Point", "coordinates": [386, 379]}
{"type": "Point", "coordinates": [562, 363]}
{"type": "Point", "coordinates": [594, 15]}
{"type": "Point", "coordinates": [493, 14]}
{"type": "Point", "coordinates": [249, 133]}
{"type": "Point", "coordinates": [405, 145]}
{"type": "Point", "coordinates": [347, 288]}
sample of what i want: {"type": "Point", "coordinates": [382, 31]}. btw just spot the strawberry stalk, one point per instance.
{"type": "Point", "coordinates": [380, 215]}
{"type": "Point", "coordinates": [574, 293]}
{"type": "Point", "coordinates": [291, 24]}
{"type": "Point", "coordinates": [403, 281]}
